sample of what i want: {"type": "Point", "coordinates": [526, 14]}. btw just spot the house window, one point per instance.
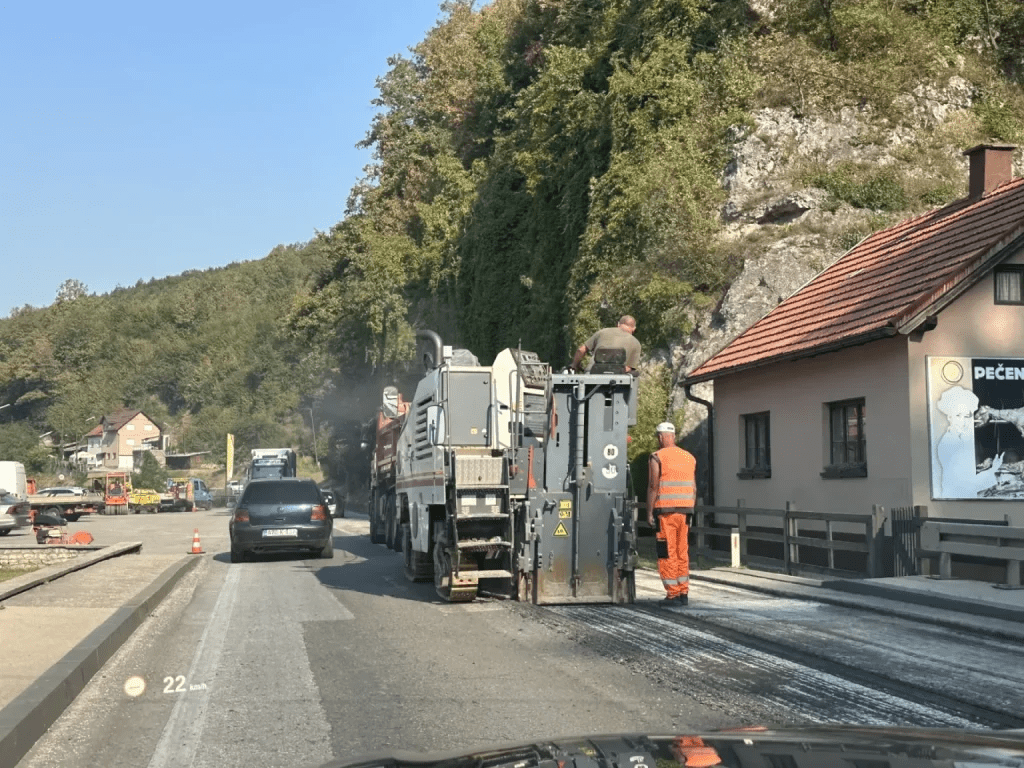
{"type": "Point", "coordinates": [131, 426]}
{"type": "Point", "coordinates": [147, 427]}
{"type": "Point", "coordinates": [130, 441]}
{"type": "Point", "coordinates": [847, 444]}
{"type": "Point", "coordinates": [757, 457]}
{"type": "Point", "coordinates": [1009, 285]}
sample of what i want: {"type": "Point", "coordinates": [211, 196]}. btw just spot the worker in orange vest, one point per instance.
{"type": "Point", "coordinates": [671, 494]}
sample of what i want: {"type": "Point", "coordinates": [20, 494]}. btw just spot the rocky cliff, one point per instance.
{"type": "Point", "coordinates": [785, 224]}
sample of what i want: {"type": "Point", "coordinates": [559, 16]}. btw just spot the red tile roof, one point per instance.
{"type": "Point", "coordinates": [95, 431]}
{"type": "Point", "coordinates": [888, 284]}
{"type": "Point", "coordinates": [114, 421]}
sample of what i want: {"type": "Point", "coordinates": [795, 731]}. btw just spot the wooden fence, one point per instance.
{"type": "Point", "coordinates": [884, 542]}
{"type": "Point", "coordinates": [992, 542]}
{"type": "Point", "coordinates": [808, 540]}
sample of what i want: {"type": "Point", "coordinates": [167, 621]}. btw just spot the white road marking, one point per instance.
{"type": "Point", "coordinates": [180, 739]}
{"type": "Point", "coordinates": [266, 700]}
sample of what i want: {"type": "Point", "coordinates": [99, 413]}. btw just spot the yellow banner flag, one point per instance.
{"type": "Point", "coordinates": [230, 469]}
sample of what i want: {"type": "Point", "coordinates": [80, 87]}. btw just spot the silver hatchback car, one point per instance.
{"type": "Point", "coordinates": [14, 513]}
{"type": "Point", "coordinates": [281, 514]}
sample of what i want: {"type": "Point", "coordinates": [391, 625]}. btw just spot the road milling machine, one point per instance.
{"type": "Point", "coordinates": [509, 480]}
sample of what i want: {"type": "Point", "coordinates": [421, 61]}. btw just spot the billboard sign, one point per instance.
{"type": "Point", "coordinates": [976, 427]}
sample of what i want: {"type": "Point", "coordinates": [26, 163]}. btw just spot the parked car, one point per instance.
{"type": "Point", "coordinates": [285, 513]}
{"type": "Point", "coordinates": [69, 490]}
{"type": "Point", "coordinates": [235, 487]}
{"type": "Point", "coordinates": [14, 513]}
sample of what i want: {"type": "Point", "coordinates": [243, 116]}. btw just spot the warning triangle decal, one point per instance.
{"type": "Point", "coordinates": [560, 530]}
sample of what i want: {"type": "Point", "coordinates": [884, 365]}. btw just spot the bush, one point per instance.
{"type": "Point", "coordinates": [877, 190]}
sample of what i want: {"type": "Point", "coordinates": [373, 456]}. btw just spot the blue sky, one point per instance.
{"type": "Point", "coordinates": [140, 139]}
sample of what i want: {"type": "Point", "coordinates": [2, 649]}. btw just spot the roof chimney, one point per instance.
{"type": "Point", "coordinates": [991, 165]}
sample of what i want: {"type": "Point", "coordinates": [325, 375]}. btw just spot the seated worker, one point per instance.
{"type": "Point", "coordinates": [611, 348]}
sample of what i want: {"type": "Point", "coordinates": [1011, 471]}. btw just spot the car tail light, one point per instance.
{"type": "Point", "coordinates": [241, 515]}
{"type": "Point", "coordinates": [319, 513]}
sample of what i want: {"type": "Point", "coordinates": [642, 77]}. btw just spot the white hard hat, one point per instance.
{"type": "Point", "coordinates": [666, 426]}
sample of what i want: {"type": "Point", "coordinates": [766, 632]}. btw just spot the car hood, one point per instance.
{"type": "Point", "coordinates": [819, 746]}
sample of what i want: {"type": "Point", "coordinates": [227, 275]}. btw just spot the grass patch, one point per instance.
{"type": "Point", "coordinates": [11, 573]}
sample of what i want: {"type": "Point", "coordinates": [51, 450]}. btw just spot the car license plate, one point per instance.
{"type": "Point", "coordinates": [279, 532]}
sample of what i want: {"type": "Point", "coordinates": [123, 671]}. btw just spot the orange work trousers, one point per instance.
{"type": "Point", "coordinates": [673, 552]}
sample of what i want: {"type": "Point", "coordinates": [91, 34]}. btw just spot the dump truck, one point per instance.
{"type": "Point", "coordinates": [384, 524]}
{"type": "Point", "coordinates": [510, 480]}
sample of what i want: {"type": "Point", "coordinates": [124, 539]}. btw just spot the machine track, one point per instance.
{"type": "Point", "coordinates": [451, 587]}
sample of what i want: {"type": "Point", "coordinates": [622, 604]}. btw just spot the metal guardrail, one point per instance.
{"type": "Point", "coordinates": [986, 541]}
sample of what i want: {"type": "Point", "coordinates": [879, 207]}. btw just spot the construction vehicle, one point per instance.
{"type": "Point", "coordinates": [384, 523]}
{"type": "Point", "coordinates": [185, 496]}
{"type": "Point", "coordinates": [272, 462]}
{"type": "Point", "coordinates": [115, 495]}
{"type": "Point", "coordinates": [509, 480]}
{"type": "Point", "coordinates": [143, 500]}
{"type": "Point", "coordinates": [69, 506]}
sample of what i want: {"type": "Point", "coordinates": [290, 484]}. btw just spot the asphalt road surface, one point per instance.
{"type": "Point", "coordinates": [286, 661]}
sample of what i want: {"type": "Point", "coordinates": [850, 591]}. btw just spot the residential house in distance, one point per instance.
{"type": "Point", "coordinates": [89, 453]}
{"type": "Point", "coordinates": [895, 377]}
{"type": "Point", "coordinates": [123, 436]}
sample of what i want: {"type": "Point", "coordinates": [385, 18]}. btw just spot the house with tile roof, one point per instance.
{"type": "Point", "coordinates": [123, 436]}
{"type": "Point", "coordinates": [894, 377]}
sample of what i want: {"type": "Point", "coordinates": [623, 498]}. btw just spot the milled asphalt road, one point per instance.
{"type": "Point", "coordinates": [288, 661]}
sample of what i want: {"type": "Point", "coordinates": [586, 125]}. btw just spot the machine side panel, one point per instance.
{"type": "Point", "coordinates": [468, 398]}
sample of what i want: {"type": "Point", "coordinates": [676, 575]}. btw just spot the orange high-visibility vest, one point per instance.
{"type": "Point", "coordinates": [678, 484]}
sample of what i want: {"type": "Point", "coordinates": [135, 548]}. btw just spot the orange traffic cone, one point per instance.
{"type": "Point", "coordinates": [197, 548]}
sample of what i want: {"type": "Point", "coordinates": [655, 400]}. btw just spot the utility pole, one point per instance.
{"type": "Point", "coordinates": [312, 424]}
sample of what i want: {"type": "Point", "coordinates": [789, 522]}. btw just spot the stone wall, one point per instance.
{"type": "Point", "coordinates": [26, 557]}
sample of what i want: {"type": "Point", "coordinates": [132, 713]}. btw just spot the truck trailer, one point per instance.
{"type": "Point", "coordinates": [508, 480]}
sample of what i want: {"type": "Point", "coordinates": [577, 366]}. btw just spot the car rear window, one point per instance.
{"type": "Point", "coordinates": [281, 493]}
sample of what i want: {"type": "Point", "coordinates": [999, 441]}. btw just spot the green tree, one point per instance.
{"type": "Point", "coordinates": [150, 475]}
{"type": "Point", "coordinates": [20, 442]}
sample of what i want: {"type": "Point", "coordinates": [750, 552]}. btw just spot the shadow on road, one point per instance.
{"type": "Point", "coordinates": [371, 569]}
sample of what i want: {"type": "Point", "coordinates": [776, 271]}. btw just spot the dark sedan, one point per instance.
{"type": "Point", "coordinates": [281, 514]}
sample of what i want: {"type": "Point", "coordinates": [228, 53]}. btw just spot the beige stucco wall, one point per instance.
{"type": "Point", "coordinates": [972, 326]}
{"type": "Point", "coordinates": [796, 395]}
{"type": "Point", "coordinates": [129, 439]}
{"type": "Point", "coordinates": [891, 375]}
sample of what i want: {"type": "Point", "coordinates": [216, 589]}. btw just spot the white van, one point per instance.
{"type": "Point", "coordinates": [12, 478]}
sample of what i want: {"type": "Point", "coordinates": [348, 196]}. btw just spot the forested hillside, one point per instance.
{"type": "Point", "coordinates": [540, 168]}
{"type": "Point", "coordinates": [202, 353]}
{"type": "Point", "coordinates": [543, 166]}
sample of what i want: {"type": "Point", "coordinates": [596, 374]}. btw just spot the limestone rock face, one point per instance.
{"type": "Point", "coordinates": [786, 232]}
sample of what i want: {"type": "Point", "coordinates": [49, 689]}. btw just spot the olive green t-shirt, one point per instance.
{"type": "Point", "coordinates": [616, 338]}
